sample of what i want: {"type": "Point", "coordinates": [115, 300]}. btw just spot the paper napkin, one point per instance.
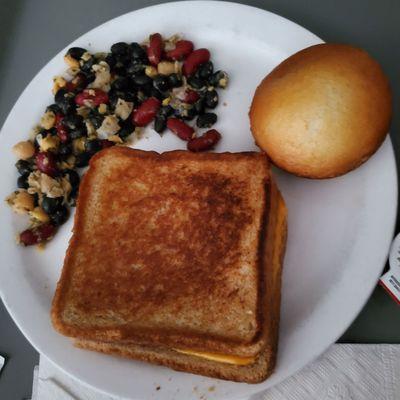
{"type": "Point", "coordinates": [344, 372]}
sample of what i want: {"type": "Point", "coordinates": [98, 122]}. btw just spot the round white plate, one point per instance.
{"type": "Point", "coordinates": [339, 229]}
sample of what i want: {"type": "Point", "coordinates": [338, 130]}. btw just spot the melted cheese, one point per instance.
{"type": "Point", "coordinates": [223, 358]}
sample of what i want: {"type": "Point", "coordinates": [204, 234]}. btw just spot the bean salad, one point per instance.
{"type": "Point", "coordinates": [101, 101]}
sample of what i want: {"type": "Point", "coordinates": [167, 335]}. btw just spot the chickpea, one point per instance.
{"type": "Point", "coordinates": [24, 150]}
{"type": "Point", "coordinates": [21, 202]}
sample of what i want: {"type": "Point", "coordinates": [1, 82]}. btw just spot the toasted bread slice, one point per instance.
{"type": "Point", "coordinates": [264, 363]}
{"type": "Point", "coordinates": [167, 251]}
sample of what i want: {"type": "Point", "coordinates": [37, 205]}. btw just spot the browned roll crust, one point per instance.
{"type": "Point", "coordinates": [323, 111]}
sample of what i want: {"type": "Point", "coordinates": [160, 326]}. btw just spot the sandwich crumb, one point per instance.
{"type": "Point", "coordinates": [211, 389]}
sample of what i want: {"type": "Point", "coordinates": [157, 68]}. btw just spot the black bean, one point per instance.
{"type": "Point", "coordinates": [73, 178]}
{"type": "Point", "coordinates": [134, 67]}
{"type": "Point", "coordinates": [22, 182]}
{"type": "Point", "coordinates": [142, 79]}
{"type": "Point", "coordinates": [119, 70]}
{"type": "Point", "coordinates": [129, 95]}
{"type": "Point", "coordinates": [78, 132]}
{"type": "Point", "coordinates": [126, 129]}
{"type": "Point", "coordinates": [54, 108]}
{"type": "Point", "coordinates": [50, 205]}
{"type": "Point", "coordinates": [82, 159]}
{"type": "Point", "coordinates": [35, 199]}
{"type": "Point", "coordinates": [138, 52]}
{"type": "Point", "coordinates": [188, 113]}
{"type": "Point", "coordinates": [96, 120]}
{"type": "Point", "coordinates": [90, 76]}
{"type": "Point", "coordinates": [141, 96]}
{"type": "Point", "coordinates": [211, 99]}
{"type": "Point", "coordinates": [206, 120]}
{"type": "Point", "coordinates": [148, 89]}
{"type": "Point", "coordinates": [205, 70]}
{"type": "Point", "coordinates": [165, 111]}
{"type": "Point", "coordinates": [87, 65]}
{"type": "Point", "coordinates": [76, 52]}
{"type": "Point", "coordinates": [219, 79]}
{"type": "Point", "coordinates": [110, 60]}
{"type": "Point", "coordinates": [65, 149]}
{"type": "Point", "coordinates": [64, 100]}
{"type": "Point", "coordinates": [175, 80]}
{"type": "Point", "coordinates": [122, 83]}
{"type": "Point", "coordinates": [199, 105]}
{"type": "Point", "coordinates": [157, 94]}
{"type": "Point", "coordinates": [196, 82]}
{"type": "Point", "coordinates": [161, 83]}
{"type": "Point", "coordinates": [160, 123]}
{"type": "Point", "coordinates": [124, 59]}
{"type": "Point", "coordinates": [93, 146]}
{"type": "Point", "coordinates": [120, 48]}
{"type": "Point", "coordinates": [114, 95]}
{"type": "Point", "coordinates": [59, 216]}
{"type": "Point", "coordinates": [73, 121]}
{"type": "Point", "coordinates": [24, 167]}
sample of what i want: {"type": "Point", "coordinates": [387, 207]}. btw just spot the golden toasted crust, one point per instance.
{"type": "Point", "coordinates": [253, 373]}
{"type": "Point", "coordinates": [323, 111]}
{"type": "Point", "coordinates": [201, 212]}
{"type": "Point", "coordinates": [274, 248]}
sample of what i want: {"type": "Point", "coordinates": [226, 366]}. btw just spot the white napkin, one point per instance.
{"type": "Point", "coordinates": [344, 372]}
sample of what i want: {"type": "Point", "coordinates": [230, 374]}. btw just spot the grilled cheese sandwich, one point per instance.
{"type": "Point", "coordinates": [190, 233]}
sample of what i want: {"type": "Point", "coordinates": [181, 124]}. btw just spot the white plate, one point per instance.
{"type": "Point", "coordinates": [339, 229]}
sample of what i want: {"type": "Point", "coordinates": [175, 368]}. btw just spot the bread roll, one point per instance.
{"type": "Point", "coordinates": [323, 111]}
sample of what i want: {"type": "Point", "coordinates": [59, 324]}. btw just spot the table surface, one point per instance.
{"type": "Point", "coordinates": [33, 32]}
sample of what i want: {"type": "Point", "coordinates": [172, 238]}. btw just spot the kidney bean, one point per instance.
{"type": "Point", "coordinates": [198, 57]}
{"type": "Point", "coordinates": [62, 130]}
{"type": "Point", "coordinates": [155, 49]}
{"type": "Point", "coordinates": [182, 49]}
{"type": "Point", "coordinates": [96, 99]}
{"type": "Point", "coordinates": [205, 142]}
{"type": "Point", "coordinates": [59, 118]}
{"type": "Point", "coordinates": [78, 83]}
{"type": "Point", "coordinates": [190, 96]}
{"type": "Point", "coordinates": [70, 86]}
{"type": "Point", "coordinates": [146, 111]}
{"type": "Point", "coordinates": [46, 163]}
{"type": "Point", "coordinates": [182, 130]}
{"type": "Point", "coordinates": [37, 235]}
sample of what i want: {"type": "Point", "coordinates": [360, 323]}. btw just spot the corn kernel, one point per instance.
{"type": "Point", "coordinates": [39, 214]}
